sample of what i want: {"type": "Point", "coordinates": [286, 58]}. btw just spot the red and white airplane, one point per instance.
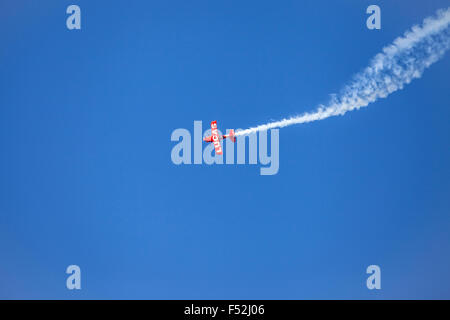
{"type": "Point", "coordinates": [215, 138]}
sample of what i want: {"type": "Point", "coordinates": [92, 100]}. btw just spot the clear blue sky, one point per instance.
{"type": "Point", "coordinates": [86, 176]}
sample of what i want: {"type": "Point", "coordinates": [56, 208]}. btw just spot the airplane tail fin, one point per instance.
{"type": "Point", "coordinates": [232, 135]}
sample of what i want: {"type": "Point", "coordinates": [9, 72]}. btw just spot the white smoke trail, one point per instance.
{"type": "Point", "coordinates": [398, 64]}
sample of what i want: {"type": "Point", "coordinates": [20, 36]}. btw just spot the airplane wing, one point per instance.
{"type": "Point", "coordinates": [215, 137]}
